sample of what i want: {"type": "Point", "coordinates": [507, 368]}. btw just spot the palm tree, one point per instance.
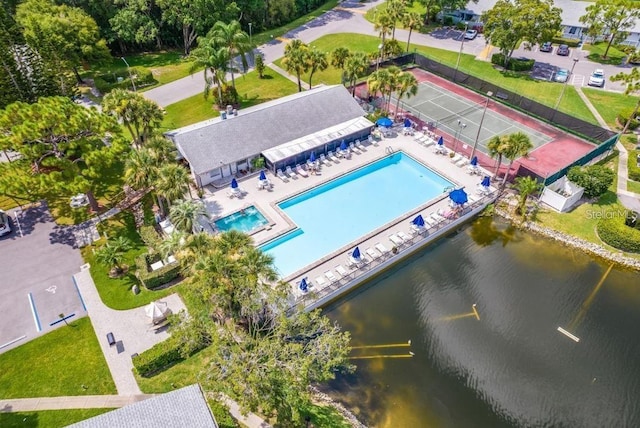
{"type": "Point", "coordinates": [172, 243]}
{"type": "Point", "coordinates": [396, 10]}
{"type": "Point", "coordinates": [161, 149]}
{"type": "Point", "coordinates": [215, 61]}
{"type": "Point", "coordinates": [232, 242]}
{"type": "Point", "coordinates": [518, 145]}
{"type": "Point", "coordinates": [112, 253]}
{"type": "Point", "coordinates": [525, 186]}
{"type": "Point", "coordinates": [406, 84]}
{"type": "Point", "coordinates": [172, 182]}
{"type": "Point", "coordinates": [316, 60]}
{"type": "Point", "coordinates": [355, 66]}
{"type": "Point", "coordinates": [184, 214]}
{"type": "Point", "coordinates": [496, 147]}
{"type": "Point", "coordinates": [294, 61]}
{"type": "Point", "coordinates": [140, 168]}
{"type": "Point", "coordinates": [380, 81]}
{"type": "Point", "coordinates": [383, 25]}
{"type": "Point", "coordinates": [236, 41]}
{"type": "Point", "coordinates": [411, 20]}
{"type": "Point", "coordinates": [339, 56]}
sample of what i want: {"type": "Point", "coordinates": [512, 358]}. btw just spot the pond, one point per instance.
{"type": "Point", "coordinates": [502, 362]}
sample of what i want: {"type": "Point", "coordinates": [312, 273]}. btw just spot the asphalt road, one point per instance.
{"type": "Point", "coordinates": [35, 277]}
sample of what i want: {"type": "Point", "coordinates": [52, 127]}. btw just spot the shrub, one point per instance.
{"type": "Point", "coordinates": [515, 64]}
{"type": "Point", "coordinates": [108, 81]}
{"type": "Point", "coordinates": [222, 415]}
{"type": "Point", "coordinates": [624, 115]}
{"type": "Point", "coordinates": [229, 97]}
{"type": "Point", "coordinates": [616, 233]}
{"type": "Point", "coordinates": [150, 237]}
{"type": "Point", "coordinates": [159, 357]}
{"type": "Point", "coordinates": [595, 179]}
{"type": "Point", "coordinates": [572, 43]}
{"type": "Point", "coordinates": [158, 277]}
{"type": "Point", "coordinates": [634, 169]}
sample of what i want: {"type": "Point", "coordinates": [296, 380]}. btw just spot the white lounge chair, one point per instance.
{"type": "Point", "coordinates": [456, 158]}
{"type": "Point", "coordinates": [473, 169]}
{"type": "Point", "coordinates": [341, 271]}
{"type": "Point", "coordinates": [320, 282]}
{"type": "Point", "coordinates": [383, 250]}
{"type": "Point", "coordinates": [372, 140]}
{"type": "Point", "coordinates": [404, 236]}
{"type": "Point", "coordinates": [418, 230]}
{"type": "Point", "coordinates": [291, 173]}
{"type": "Point", "coordinates": [333, 157]}
{"type": "Point", "coordinates": [324, 160]}
{"type": "Point", "coordinates": [300, 170]}
{"type": "Point", "coordinates": [281, 175]}
{"type": "Point", "coordinates": [373, 253]}
{"type": "Point", "coordinates": [462, 162]}
{"type": "Point", "coordinates": [330, 276]}
{"type": "Point", "coordinates": [430, 220]}
{"type": "Point", "coordinates": [360, 146]}
{"type": "Point", "coordinates": [397, 241]}
{"type": "Point", "coordinates": [354, 149]}
{"type": "Point", "coordinates": [429, 142]}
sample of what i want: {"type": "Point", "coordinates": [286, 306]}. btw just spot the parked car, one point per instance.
{"type": "Point", "coordinates": [562, 75]}
{"type": "Point", "coordinates": [5, 226]}
{"type": "Point", "coordinates": [470, 34]}
{"type": "Point", "coordinates": [563, 50]}
{"type": "Point", "coordinates": [597, 78]}
{"type": "Point", "coordinates": [546, 47]}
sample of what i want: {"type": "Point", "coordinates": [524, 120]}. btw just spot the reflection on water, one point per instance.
{"type": "Point", "coordinates": [511, 367]}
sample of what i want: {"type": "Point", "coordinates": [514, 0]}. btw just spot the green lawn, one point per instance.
{"type": "Point", "coordinates": [614, 56]}
{"type": "Point", "coordinates": [610, 104]}
{"type": "Point", "coordinates": [57, 364]}
{"type": "Point", "coordinates": [250, 87]}
{"type": "Point", "coordinates": [630, 143]}
{"type": "Point", "coordinates": [268, 35]}
{"type": "Point", "coordinates": [414, 7]}
{"type": "Point", "coordinates": [116, 293]}
{"type": "Point", "coordinates": [48, 418]}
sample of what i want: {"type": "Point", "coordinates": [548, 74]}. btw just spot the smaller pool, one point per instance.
{"type": "Point", "coordinates": [246, 220]}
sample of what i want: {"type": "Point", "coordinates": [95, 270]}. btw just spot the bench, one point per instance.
{"type": "Point", "coordinates": [111, 339]}
{"type": "Point", "coordinates": [502, 96]}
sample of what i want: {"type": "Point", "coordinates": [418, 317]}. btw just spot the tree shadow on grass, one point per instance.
{"type": "Point", "coordinates": [21, 419]}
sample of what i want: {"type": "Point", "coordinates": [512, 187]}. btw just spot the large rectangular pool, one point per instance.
{"type": "Point", "coordinates": [342, 210]}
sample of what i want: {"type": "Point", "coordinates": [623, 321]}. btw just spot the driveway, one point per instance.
{"type": "Point", "coordinates": [36, 286]}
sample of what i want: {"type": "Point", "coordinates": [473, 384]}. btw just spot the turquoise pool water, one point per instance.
{"type": "Point", "coordinates": [340, 211]}
{"type": "Point", "coordinates": [246, 220]}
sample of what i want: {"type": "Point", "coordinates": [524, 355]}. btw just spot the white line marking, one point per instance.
{"type": "Point", "coordinates": [33, 312]}
{"type": "Point", "coordinates": [51, 289]}
{"type": "Point", "coordinates": [12, 342]}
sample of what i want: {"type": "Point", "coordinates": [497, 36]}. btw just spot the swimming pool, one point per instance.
{"type": "Point", "coordinates": [342, 210]}
{"type": "Point", "coordinates": [246, 220]}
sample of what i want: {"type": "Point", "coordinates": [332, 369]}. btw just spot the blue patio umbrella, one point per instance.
{"type": "Point", "coordinates": [418, 221]}
{"type": "Point", "coordinates": [459, 196]}
{"type": "Point", "coordinates": [441, 141]}
{"type": "Point", "coordinates": [343, 146]}
{"type": "Point", "coordinates": [356, 253]}
{"type": "Point", "coordinates": [312, 158]}
{"type": "Point", "coordinates": [486, 181]}
{"type": "Point", "coordinates": [234, 184]}
{"type": "Point", "coordinates": [474, 161]}
{"type": "Point", "coordinates": [384, 121]}
{"type": "Point", "coordinates": [263, 176]}
{"type": "Point", "coordinates": [407, 123]}
{"type": "Point", "coordinates": [303, 284]}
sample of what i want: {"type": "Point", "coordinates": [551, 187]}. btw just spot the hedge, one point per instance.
{"type": "Point", "coordinates": [150, 236]}
{"type": "Point", "coordinates": [158, 277]}
{"type": "Point", "coordinates": [159, 357]}
{"type": "Point", "coordinates": [634, 169]}
{"type": "Point", "coordinates": [108, 81]}
{"type": "Point", "coordinates": [616, 233]}
{"type": "Point", "coordinates": [515, 64]}
{"type": "Point", "coordinates": [624, 115]}
{"type": "Point", "coordinates": [572, 43]}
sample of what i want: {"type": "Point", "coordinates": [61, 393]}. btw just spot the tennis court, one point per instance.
{"type": "Point", "coordinates": [459, 118]}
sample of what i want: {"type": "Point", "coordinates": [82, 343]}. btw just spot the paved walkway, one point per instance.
{"type": "Point", "coordinates": [629, 199]}
{"type": "Point", "coordinates": [78, 402]}
{"type": "Point", "coordinates": [131, 329]}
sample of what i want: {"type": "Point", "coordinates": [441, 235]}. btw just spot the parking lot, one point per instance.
{"type": "Point", "coordinates": [36, 287]}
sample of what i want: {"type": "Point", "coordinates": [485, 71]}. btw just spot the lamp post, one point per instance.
{"type": "Point", "coordinates": [380, 47]}
{"type": "Point", "coordinates": [130, 76]}
{"type": "Point", "coordinates": [564, 87]}
{"type": "Point", "coordinates": [461, 127]}
{"type": "Point", "coordinates": [475, 143]}
{"type": "Point", "coordinates": [466, 27]}
{"type": "Point", "coordinates": [250, 33]}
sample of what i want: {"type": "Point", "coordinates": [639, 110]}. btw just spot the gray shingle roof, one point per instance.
{"type": "Point", "coordinates": [209, 144]}
{"type": "Point", "coordinates": [182, 408]}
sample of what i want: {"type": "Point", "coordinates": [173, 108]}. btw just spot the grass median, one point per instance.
{"type": "Point", "coordinates": [66, 361]}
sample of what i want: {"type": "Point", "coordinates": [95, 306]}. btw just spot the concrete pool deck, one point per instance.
{"type": "Point", "coordinates": [220, 204]}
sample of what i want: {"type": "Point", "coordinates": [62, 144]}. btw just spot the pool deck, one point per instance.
{"type": "Point", "coordinates": [321, 289]}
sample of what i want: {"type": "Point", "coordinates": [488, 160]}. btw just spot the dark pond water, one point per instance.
{"type": "Point", "coordinates": [510, 367]}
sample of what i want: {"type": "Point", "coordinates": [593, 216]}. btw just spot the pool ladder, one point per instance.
{"type": "Point", "coordinates": [388, 149]}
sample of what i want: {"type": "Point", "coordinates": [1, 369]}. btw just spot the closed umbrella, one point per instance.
{"type": "Point", "coordinates": [418, 221]}
{"type": "Point", "coordinates": [407, 123]}
{"type": "Point", "coordinates": [312, 158]}
{"type": "Point", "coordinates": [458, 196]}
{"type": "Point", "coordinates": [441, 141]}
{"type": "Point", "coordinates": [356, 253]}
{"type": "Point", "coordinates": [474, 161]}
{"type": "Point", "coordinates": [486, 182]}
{"type": "Point", "coordinates": [234, 184]}
{"type": "Point", "coordinates": [303, 284]}
{"type": "Point", "coordinates": [263, 176]}
{"type": "Point", "coordinates": [343, 146]}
